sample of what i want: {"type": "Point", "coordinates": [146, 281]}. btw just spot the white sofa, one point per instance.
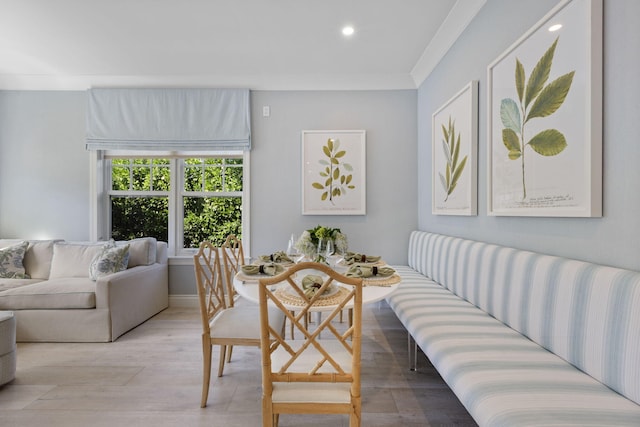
{"type": "Point", "coordinates": [60, 302]}
{"type": "Point", "coordinates": [524, 339]}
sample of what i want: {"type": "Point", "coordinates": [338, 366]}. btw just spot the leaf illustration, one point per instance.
{"type": "Point", "coordinates": [458, 172]}
{"type": "Point", "coordinates": [447, 152]}
{"type": "Point", "coordinates": [451, 148]}
{"type": "Point", "coordinates": [445, 132]}
{"type": "Point", "coordinates": [551, 97]}
{"type": "Point", "coordinates": [519, 79]}
{"type": "Point", "coordinates": [443, 181]}
{"type": "Point", "coordinates": [548, 142]}
{"type": "Point", "coordinates": [510, 114]}
{"type": "Point", "coordinates": [510, 140]}
{"type": "Point", "coordinates": [540, 74]}
{"type": "Point", "coordinates": [335, 182]}
{"type": "Point", "coordinates": [456, 151]}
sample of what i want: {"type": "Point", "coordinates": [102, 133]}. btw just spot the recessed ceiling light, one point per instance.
{"type": "Point", "coordinates": [555, 27]}
{"type": "Point", "coordinates": [348, 30]}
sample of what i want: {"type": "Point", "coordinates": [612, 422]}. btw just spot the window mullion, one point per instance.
{"type": "Point", "coordinates": [175, 209]}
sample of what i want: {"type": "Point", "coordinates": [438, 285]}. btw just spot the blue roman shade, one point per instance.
{"type": "Point", "coordinates": [168, 119]}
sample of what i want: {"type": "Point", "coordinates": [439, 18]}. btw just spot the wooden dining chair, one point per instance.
{"type": "Point", "coordinates": [222, 324]}
{"type": "Point", "coordinates": [319, 373]}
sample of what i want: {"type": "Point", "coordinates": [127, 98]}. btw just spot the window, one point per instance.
{"type": "Point", "coordinates": [180, 199]}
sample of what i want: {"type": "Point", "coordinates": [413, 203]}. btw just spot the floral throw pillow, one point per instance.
{"type": "Point", "coordinates": [109, 261]}
{"type": "Point", "coordinates": [11, 266]}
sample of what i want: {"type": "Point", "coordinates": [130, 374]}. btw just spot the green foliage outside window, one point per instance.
{"type": "Point", "coordinates": [212, 206]}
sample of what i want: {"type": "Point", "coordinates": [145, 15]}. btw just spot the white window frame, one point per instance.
{"type": "Point", "coordinates": [100, 222]}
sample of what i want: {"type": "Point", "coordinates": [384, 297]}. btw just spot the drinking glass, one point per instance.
{"type": "Point", "coordinates": [328, 249]}
{"type": "Point", "coordinates": [321, 250]}
{"type": "Point", "coordinates": [292, 251]}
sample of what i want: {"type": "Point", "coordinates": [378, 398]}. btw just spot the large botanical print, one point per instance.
{"type": "Point", "coordinates": [453, 153]}
{"type": "Point", "coordinates": [333, 172]}
{"type": "Point", "coordinates": [544, 117]}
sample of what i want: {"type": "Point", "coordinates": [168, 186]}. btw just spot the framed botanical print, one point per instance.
{"type": "Point", "coordinates": [545, 117]}
{"type": "Point", "coordinates": [453, 152]}
{"type": "Point", "coordinates": [333, 172]}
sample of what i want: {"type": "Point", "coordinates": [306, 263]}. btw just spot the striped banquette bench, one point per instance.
{"type": "Point", "coordinates": [524, 339]}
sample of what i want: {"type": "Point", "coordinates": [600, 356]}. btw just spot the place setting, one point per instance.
{"type": "Point", "coordinates": [265, 265]}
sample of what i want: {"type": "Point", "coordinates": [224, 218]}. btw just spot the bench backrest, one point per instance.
{"type": "Point", "coordinates": [588, 314]}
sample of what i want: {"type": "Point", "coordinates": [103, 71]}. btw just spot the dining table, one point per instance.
{"type": "Point", "coordinates": [374, 289]}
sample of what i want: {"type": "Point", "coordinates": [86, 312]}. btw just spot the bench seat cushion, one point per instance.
{"type": "Point", "coordinates": [500, 376]}
{"type": "Point", "coordinates": [64, 293]}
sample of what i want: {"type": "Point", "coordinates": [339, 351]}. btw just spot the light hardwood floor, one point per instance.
{"type": "Point", "coordinates": [152, 376]}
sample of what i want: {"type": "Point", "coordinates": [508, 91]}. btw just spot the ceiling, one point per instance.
{"type": "Point", "coordinates": [259, 44]}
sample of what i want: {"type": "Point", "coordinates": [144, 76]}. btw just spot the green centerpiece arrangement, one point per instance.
{"type": "Point", "coordinates": [308, 242]}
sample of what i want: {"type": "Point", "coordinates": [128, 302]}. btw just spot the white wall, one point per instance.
{"type": "Point", "coordinates": [613, 239]}
{"type": "Point", "coordinates": [44, 168]}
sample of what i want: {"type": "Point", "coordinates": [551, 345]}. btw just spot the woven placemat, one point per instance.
{"type": "Point", "coordinates": [381, 281]}
{"type": "Point", "coordinates": [288, 298]}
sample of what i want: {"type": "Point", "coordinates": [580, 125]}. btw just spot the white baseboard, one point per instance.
{"type": "Point", "coordinates": [189, 301]}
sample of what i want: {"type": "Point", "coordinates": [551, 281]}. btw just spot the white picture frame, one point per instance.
{"type": "Point", "coordinates": [454, 151]}
{"type": "Point", "coordinates": [334, 172]}
{"type": "Point", "coordinates": [556, 168]}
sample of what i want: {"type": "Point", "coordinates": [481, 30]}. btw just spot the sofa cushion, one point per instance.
{"type": "Point", "coordinates": [11, 261]}
{"type": "Point", "coordinates": [37, 260]}
{"type": "Point", "coordinates": [6, 284]}
{"type": "Point", "coordinates": [142, 251]}
{"type": "Point", "coordinates": [109, 261]}
{"type": "Point", "coordinates": [73, 259]}
{"type": "Point", "coordinates": [63, 293]}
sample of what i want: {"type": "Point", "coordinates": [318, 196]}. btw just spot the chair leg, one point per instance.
{"type": "Point", "coordinates": [354, 420]}
{"type": "Point", "coordinates": [206, 372]}
{"type": "Point", "coordinates": [355, 417]}
{"type": "Point", "coordinates": [223, 350]}
{"type": "Point", "coordinates": [268, 417]}
{"type": "Point", "coordinates": [229, 354]}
